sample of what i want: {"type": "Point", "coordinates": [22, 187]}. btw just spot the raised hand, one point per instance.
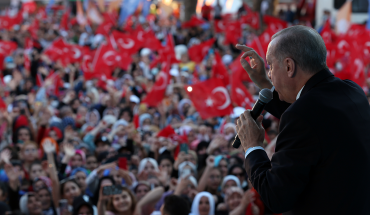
{"type": "Point", "coordinates": [256, 68]}
{"type": "Point", "coordinates": [69, 150]}
{"type": "Point", "coordinates": [211, 161]}
{"type": "Point", "coordinates": [11, 172]}
{"type": "Point", "coordinates": [48, 147]}
{"type": "Point", "coordinates": [5, 156]}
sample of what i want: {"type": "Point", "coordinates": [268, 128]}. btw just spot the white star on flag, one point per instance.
{"type": "Point", "coordinates": [209, 102]}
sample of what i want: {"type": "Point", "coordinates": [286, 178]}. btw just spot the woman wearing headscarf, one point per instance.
{"type": "Point", "coordinates": [203, 204]}
{"type": "Point", "coordinates": [92, 119]}
{"type": "Point", "coordinates": [148, 166]}
{"type": "Point", "coordinates": [229, 181]}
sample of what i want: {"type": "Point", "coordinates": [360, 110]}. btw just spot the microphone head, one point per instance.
{"type": "Point", "coordinates": [265, 95]}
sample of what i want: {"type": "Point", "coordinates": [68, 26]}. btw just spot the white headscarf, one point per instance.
{"type": "Point", "coordinates": [233, 178]}
{"type": "Point", "coordinates": [195, 205]}
{"type": "Point", "coordinates": [146, 160]}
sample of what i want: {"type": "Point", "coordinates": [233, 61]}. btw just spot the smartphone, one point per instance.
{"type": "Point", "coordinates": [63, 206]}
{"type": "Point", "coordinates": [122, 163]}
{"type": "Point", "coordinates": [112, 190]}
{"type": "Point", "coordinates": [184, 148]}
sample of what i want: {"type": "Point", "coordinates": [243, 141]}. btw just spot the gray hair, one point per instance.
{"type": "Point", "coordinates": [304, 45]}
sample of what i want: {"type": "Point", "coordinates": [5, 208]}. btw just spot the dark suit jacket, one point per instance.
{"type": "Point", "coordinates": [321, 163]}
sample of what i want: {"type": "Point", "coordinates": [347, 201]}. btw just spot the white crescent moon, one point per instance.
{"type": "Point", "coordinates": [326, 35]}
{"type": "Point", "coordinates": [106, 55]}
{"type": "Point", "coordinates": [164, 84]}
{"type": "Point", "coordinates": [240, 91]}
{"type": "Point", "coordinates": [221, 25]}
{"type": "Point", "coordinates": [3, 47]}
{"type": "Point", "coordinates": [128, 45]}
{"type": "Point", "coordinates": [77, 53]}
{"type": "Point", "coordinates": [85, 63]}
{"type": "Point", "coordinates": [341, 44]}
{"type": "Point", "coordinates": [360, 67]}
{"type": "Point", "coordinates": [140, 36]}
{"type": "Point", "coordinates": [224, 91]}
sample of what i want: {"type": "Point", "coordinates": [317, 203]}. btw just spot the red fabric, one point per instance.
{"type": "Point", "coordinates": [219, 26]}
{"type": "Point", "coordinates": [33, 28]}
{"type": "Point", "coordinates": [106, 59]}
{"type": "Point", "coordinates": [238, 70]}
{"type": "Point", "coordinates": [20, 121]}
{"type": "Point", "coordinates": [210, 98]}
{"type": "Point", "coordinates": [57, 83]}
{"type": "Point", "coordinates": [193, 22]}
{"type": "Point", "coordinates": [64, 22]}
{"type": "Point", "coordinates": [219, 70]}
{"type": "Point", "coordinates": [198, 52]}
{"type": "Point", "coordinates": [239, 93]}
{"type": "Point", "coordinates": [29, 7]}
{"type": "Point", "coordinates": [86, 64]}
{"type": "Point", "coordinates": [206, 12]}
{"type": "Point", "coordinates": [166, 132]}
{"type": "Point", "coordinates": [66, 53]}
{"type": "Point", "coordinates": [233, 32]}
{"type": "Point", "coordinates": [8, 23]}
{"type": "Point", "coordinates": [156, 95]}
{"type": "Point", "coordinates": [151, 41]}
{"type": "Point", "coordinates": [6, 47]}
{"type": "Point", "coordinates": [126, 42]}
{"type": "Point", "coordinates": [327, 34]}
{"type": "Point", "coordinates": [105, 27]}
{"type": "Point", "coordinates": [251, 18]}
{"type": "Point", "coordinates": [275, 24]}
{"type": "Point", "coordinates": [3, 105]}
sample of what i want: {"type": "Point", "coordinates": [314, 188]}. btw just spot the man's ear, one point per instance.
{"type": "Point", "coordinates": [290, 67]}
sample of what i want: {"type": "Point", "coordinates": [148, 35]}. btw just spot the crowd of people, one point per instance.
{"type": "Point", "coordinates": [64, 139]}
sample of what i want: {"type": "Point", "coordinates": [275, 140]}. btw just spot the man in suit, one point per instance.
{"type": "Point", "coordinates": [321, 163]}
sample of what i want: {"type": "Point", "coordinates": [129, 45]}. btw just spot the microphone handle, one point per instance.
{"type": "Point", "coordinates": [256, 111]}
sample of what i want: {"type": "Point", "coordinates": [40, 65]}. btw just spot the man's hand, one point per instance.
{"type": "Point", "coordinates": [250, 132]}
{"type": "Point", "coordinates": [256, 68]}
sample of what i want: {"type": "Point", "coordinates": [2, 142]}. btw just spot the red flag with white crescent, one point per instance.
{"type": "Point", "coordinates": [198, 52]}
{"type": "Point", "coordinates": [210, 98]}
{"type": "Point", "coordinates": [156, 95]}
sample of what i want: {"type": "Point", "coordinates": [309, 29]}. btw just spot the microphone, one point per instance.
{"type": "Point", "coordinates": [265, 96]}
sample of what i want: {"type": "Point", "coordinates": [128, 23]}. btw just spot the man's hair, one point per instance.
{"type": "Point", "coordinates": [304, 45]}
{"type": "Point", "coordinates": [175, 205]}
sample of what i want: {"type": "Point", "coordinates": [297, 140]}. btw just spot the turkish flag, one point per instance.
{"type": "Point", "coordinates": [107, 58]}
{"type": "Point", "coordinates": [7, 47]}
{"type": "Point", "coordinates": [219, 26]}
{"type": "Point", "coordinates": [66, 53]}
{"type": "Point", "coordinates": [343, 46]}
{"type": "Point", "coordinates": [327, 34]}
{"type": "Point", "coordinates": [193, 22]}
{"type": "Point", "coordinates": [166, 53]}
{"type": "Point", "coordinates": [105, 28]}
{"type": "Point", "coordinates": [275, 24]}
{"type": "Point", "coordinates": [64, 21]}
{"type": "Point", "coordinates": [29, 7]}
{"type": "Point", "coordinates": [125, 42]}
{"type": "Point", "coordinates": [155, 96]}
{"type": "Point", "coordinates": [7, 22]}
{"type": "Point", "coordinates": [151, 42]}
{"type": "Point", "coordinates": [57, 83]}
{"type": "Point", "coordinates": [251, 18]}
{"type": "Point", "coordinates": [237, 68]}
{"type": "Point", "coordinates": [210, 98]}
{"type": "Point", "coordinates": [33, 28]}
{"type": "Point", "coordinates": [219, 70]}
{"type": "Point", "coordinates": [233, 32]}
{"type": "Point", "coordinates": [239, 93]}
{"type": "Point", "coordinates": [167, 132]}
{"type": "Point", "coordinates": [198, 52]}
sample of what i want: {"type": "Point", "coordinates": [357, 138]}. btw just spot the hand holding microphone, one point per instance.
{"type": "Point", "coordinates": [265, 96]}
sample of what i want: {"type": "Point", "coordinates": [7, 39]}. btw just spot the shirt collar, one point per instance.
{"type": "Point", "coordinates": [299, 93]}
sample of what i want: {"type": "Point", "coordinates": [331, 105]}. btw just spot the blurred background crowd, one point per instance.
{"type": "Point", "coordinates": [144, 95]}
